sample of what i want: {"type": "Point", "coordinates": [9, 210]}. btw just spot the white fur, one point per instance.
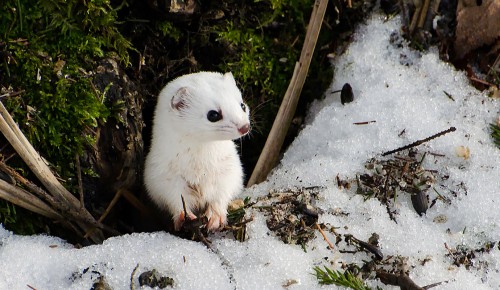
{"type": "Point", "coordinates": [191, 156]}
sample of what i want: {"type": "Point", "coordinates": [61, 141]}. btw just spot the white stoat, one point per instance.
{"type": "Point", "coordinates": [192, 153]}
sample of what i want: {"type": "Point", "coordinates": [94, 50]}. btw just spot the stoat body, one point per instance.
{"type": "Point", "coordinates": [192, 153]}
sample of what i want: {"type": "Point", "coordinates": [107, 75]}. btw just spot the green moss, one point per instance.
{"type": "Point", "coordinates": [167, 28]}
{"type": "Point", "coordinates": [48, 49]}
{"type": "Point", "coordinates": [263, 44]}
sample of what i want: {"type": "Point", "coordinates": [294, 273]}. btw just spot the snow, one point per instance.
{"type": "Point", "coordinates": [397, 87]}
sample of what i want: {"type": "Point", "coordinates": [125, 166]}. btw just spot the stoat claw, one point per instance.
{"type": "Point", "coordinates": [216, 221]}
{"type": "Point", "coordinates": [181, 218]}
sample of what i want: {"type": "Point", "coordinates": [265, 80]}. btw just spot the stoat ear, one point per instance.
{"type": "Point", "coordinates": [179, 100]}
{"type": "Point", "coordinates": [229, 77]}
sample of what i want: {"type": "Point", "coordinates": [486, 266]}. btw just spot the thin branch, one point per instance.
{"type": "Point", "coordinates": [80, 183]}
{"type": "Point", "coordinates": [12, 94]}
{"type": "Point", "coordinates": [269, 156]}
{"type": "Point", "coordinates": [113, 202]}
{"type": "Point", "coordinates": [324, 237]}
{"type": "Point", "coordinates": [419, 142]}
{"type": "Point", "coordinates": [135, 202]}
{"type": "Point", "coordinates": [34, 161]}
{"type": "Point", "coordinates": [364, 123]}
{"type": "Point", "coordinates": [33, 188]}
{"type": "Point", "coordinates": [26, 200]}
{"type": "Point", "coordinates": [402, 280]}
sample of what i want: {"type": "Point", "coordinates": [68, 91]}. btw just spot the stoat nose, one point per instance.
{"type": "Point", "coordinates": [244, 129]}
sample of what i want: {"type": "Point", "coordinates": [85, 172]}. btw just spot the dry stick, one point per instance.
{"type": "Point", "coordinates": [135, 202]}
{"type": "Point", "coordinates": [269, 156]}
{"type": "Point", "coordinates": [80, 183]}
{"type": "Point", "coordinates": [113, 202]}
{"type": "Point", "coordinates": [22, 146]}
{"type": "Point", "coordinates": [423, 14]}
{"type": "Point", "coordinates": [414, 144]}
{"type": "Point", "coordinates": [364, 123]}
{"type": "Point", "coordinates": [414, 18]}
{"type": "Point", "coordinates": [29, 155]}
{"type": "Point", "coordinates": [25, 200]}
{"type": "Point", "coordinates": [60, 206]}
{"type": "Point", "coordinates": [481, 81]}
{"type": "Point", "coordinates": [12, 94]}
{"type": "Point", "coordinates": [132, 199]}
{"type": "Point", "coordinates": [402, 280]}
{"type": "Point", "coordinates": [33, 188]}
{"type": "Point", "coordinates": [110, 206]}
{"type": "Point", "coordinates": [324, 237]}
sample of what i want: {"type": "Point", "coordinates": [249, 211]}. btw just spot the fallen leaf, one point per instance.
{"type": "Point", "coordinates": [463, 151]}
{"type": "Point", "coordinates": [477, 25]}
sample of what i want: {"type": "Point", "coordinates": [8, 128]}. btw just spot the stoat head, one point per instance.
{"type": "Point", "coordinates": [207, 106]}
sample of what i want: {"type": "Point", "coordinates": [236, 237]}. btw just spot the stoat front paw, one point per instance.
{"type": "Point", "coordinates": [216, 219]}
{"type": "Point", "coordinates": [181, 218]}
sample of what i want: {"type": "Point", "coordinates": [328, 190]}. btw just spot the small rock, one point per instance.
{"type": "Point", "coordinates": [346, 95]}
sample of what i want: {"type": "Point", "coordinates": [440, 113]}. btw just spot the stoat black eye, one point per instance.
{"type": "Point", "coordinates": [243, 107]}
{"type": "Point", "coordinates": [214, 116]}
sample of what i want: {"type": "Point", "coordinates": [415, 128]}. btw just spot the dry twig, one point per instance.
{"type": "Point", "coordinates": [12, 94]}
{"type": "Point", "coordinates": [270, 153]}
{"type": "Point", "coordinates": [324, 237]}
{"type": "Point", "coordinates": [80, 183]}
{"type": "Point", "coordinates": [402, 280]}
{"type": "Point", "coordinates": [419, 142]}
{"type": "Point", "coordinates": [69, 204]}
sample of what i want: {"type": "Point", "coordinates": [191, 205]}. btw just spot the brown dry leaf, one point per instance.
{"type": "Point", "coordinates": [236, 204]}
{"type": "Point", "coordinates": [476, 25]}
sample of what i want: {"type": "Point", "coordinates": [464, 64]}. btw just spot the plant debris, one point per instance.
{"type": "Point", "coordinates": [236, 221]}
{"type": "Point", "coordinates": [154, 279]}
{"type": "Point", "coordinates": [371, 246]}
{"type": "Point", "coordinates": [392, 271]}
{"type": "Point", "coordinates": [291, 214]}
{"type": "Point", "coordinates": [387, 178]}
{"type": "Point", "coordinates": [101, 284]}
{"type": "Point", "coordinates": [99, 281]}
{"type": "Point", "coordinates": [463, 256]}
